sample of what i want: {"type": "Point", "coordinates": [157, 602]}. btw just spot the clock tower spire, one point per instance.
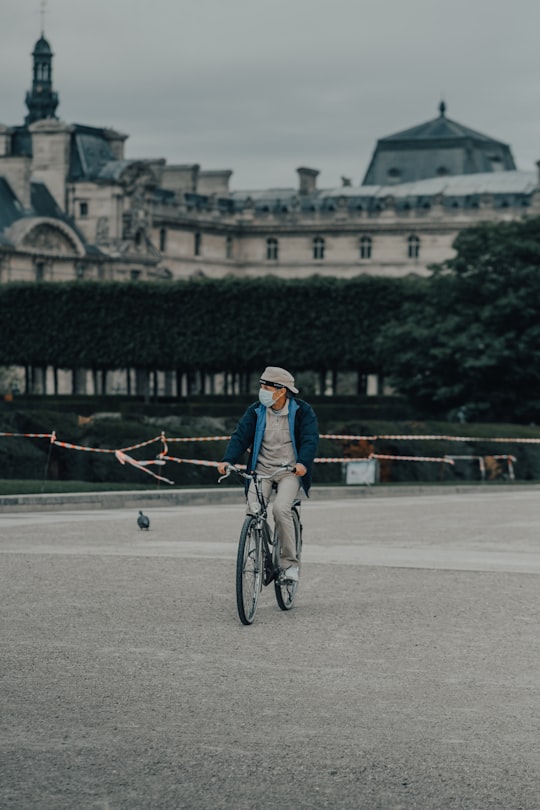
{"type": "Point", "coordinates": [41, 100]}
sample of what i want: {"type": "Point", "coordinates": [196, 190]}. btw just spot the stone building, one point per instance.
{"type": "Point", "coordinates": [72, 206]}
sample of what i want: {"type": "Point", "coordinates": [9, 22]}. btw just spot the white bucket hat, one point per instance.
{"type": "Point", "coordinates": [273, 375]}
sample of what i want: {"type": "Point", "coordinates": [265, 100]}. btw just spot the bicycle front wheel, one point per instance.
{"type": "Point", "coordinates": [249, 571]}
{"type": "Point", "coordinates": [286, 590]}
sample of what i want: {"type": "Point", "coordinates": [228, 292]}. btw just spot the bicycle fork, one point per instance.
{"type": "Point", "coordinates": [265, 545]}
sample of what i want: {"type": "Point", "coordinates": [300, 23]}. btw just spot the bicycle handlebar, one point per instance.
{"type": "Point", "coordinates": [250, 476]}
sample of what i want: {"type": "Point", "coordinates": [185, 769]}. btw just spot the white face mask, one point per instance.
{"type": "Point", "coordinates": [266, 397]}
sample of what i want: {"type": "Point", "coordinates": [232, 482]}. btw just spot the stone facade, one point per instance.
{"type": "Point", "coordinates": [148, 220]}
{"type": "Point", "coordinates": [73, 207]}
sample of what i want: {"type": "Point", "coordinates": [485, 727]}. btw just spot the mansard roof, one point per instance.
{"type": "Point", "coordinates": [440, 127]}
{"type": "Point", "coordinates": [467, 190]}
{"type": "Point", "coordinates": [10, 207]}
{"type": "Point", "coordinates": [42, 205]}
{"type": "Point", "coordinates": [511, 182]}
{"type": "Point", "coordinates": [440, 146]}
{"type": "Point", "coordinates": [90, 150]}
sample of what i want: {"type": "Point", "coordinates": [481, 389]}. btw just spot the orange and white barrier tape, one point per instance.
{"type": "Point", "coordinates": [123, 457]}
{"type": "Point", "coordinates": [30, 435]}
{"type": "Point", "coordinates": [70, 446]}
{"type": "Point", "coordinates": [201, 462]}
{"type": "Point", "coordinates": [435, 437]}
{"type": "Point", "coordinates": [144, 444]}
{"type": "Point", "coordinates": [444, 459]}
{"type": "Point", "coordinates": [201, 439]}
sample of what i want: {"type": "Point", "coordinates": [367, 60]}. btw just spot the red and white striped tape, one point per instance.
{"type": "Point", "coordinates": [123, 458]}
{"type": "Point", "coordinates": [122, 454]}
{"type": "Point", "coordinates": [434, 437]}
{"type": "Point", "coordinates": [444, 459]}
{"type": "Point", "coordinates": [30, 435]}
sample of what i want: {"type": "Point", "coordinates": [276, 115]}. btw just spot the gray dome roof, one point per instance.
{"type": "Point", "coordinates": [42, 47]}
{"type": "Point", "coordinates": [438, 147]}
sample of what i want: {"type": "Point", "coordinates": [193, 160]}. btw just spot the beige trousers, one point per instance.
{"type": "Point", "coordinates": [288, 488]}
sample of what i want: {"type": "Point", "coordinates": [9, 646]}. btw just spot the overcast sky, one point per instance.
{"type": "Point", "coordinates": [264, 86]}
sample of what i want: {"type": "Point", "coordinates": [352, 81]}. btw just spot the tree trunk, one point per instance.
{"type": "Point", "coordinates": [361, 384]}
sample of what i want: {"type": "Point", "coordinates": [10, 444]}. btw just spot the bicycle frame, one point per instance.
{"type": "Point", "coordinates": [258, 560]}
{"type": "Point", "coordinates": [259, 511]}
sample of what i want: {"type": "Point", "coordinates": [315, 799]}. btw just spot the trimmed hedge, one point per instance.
{"type": "Point", "coordinates": [235, 325]}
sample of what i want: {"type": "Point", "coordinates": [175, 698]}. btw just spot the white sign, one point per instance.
{"type": "Point", "coordinates": [362, 472]}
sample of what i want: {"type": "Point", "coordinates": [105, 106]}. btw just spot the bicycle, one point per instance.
{"type": "Point", "coordinates": [257, 561]}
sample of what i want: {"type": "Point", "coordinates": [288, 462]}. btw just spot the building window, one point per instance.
{"type": "Point", "coordinates": [442, 171]}
{"type": "Point", "coordinates": [229, 247]}
{"type": "Point", "coordinates": [394, 175]}
{"type": "Point", "coordinates": [134, 275]}
{"type": "Point", "coordinates": [272, 249]}
{"type": "Point", "coordinates": [197, 244]}
{"type": "Point", "coordinates": [163, 239]}
{"type": "Point", "coordinates": [413, 243]}
{"type": "Point", "coordinates": [83, 209]}
{"type": "Point", "coordinates": [318, 247]}
{"type": "Point", "coordinates": [365, 247]}
{"type": "Point", "coordinates": [40, 270]}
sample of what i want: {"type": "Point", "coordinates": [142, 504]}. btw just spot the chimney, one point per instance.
{"type": "Point", "coordinates": [117, 142]}
{"type": "Point", "coordinates": [50, 156]}
{"type": "Point", "coordinates": [308, 181]}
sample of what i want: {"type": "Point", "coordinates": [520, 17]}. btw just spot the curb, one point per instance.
{"type": "Point", "coordinates": [130, 499]}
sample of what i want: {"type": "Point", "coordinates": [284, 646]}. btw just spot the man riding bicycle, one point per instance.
{"type": "Point", "coordinates": [281, 431]}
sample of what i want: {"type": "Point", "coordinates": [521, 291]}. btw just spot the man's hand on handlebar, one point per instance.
{"type": "Point", "coordinates": [299, 469]}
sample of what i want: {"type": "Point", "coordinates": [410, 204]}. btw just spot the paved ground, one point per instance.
{"type": "Point", "coordinates": [406, 677]}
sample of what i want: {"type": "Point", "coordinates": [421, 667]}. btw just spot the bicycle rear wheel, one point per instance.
{"type": "Point", "coordinates": [249, 571]}
{"type": "Point", "coordinates": [286, 590]}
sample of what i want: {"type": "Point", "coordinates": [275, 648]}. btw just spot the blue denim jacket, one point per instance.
{"type": "Point", "coordinates": [250, 431]}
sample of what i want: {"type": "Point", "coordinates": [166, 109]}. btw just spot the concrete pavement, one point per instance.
{"type": "Point", "coordinates": [406, 677]}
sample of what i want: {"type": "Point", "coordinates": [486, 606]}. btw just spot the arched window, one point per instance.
{"type": "Point", "coordinates": [318, 247]}
{"type": "Point", "coordinates": [272, 249]}
{"type": "Point", "coordinates": [413, 247]}
{"type": "Point", "coordinates": [365, 247]}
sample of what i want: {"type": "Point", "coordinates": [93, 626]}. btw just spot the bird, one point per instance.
{"type": "Point", "coordinates": [143, 521]}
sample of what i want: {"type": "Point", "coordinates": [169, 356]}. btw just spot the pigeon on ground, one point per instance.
{"type": "Point", "coordinates": [143, 521]}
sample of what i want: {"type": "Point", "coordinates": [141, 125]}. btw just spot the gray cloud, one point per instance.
{"type": "Point", "coordinates": [264, 87]}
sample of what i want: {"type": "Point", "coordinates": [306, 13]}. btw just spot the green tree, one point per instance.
{"type": "Point", "coordinates": [470, 339]}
